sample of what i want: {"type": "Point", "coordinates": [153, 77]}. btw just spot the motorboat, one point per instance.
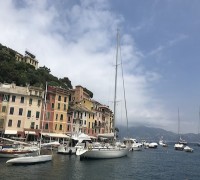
{"type": "Point", "coordinates": [179, 147]}
{"type": "Point", "coordinates": [153, 145]}
{"type": "Point", "coordinates": [136, 147]}
{"type": "Point", "coordinates": [66, 149]}
{"type": "Point", "coordinates": [162, 143]}
{"type": "Point", "coordinates": [75, 142]}
{"type": "Point", "coordinates": [182, 141]}
{"type": "Point", "coordinates": [188, 149]}
{"type": "Point", "coordinates": [133, 144]}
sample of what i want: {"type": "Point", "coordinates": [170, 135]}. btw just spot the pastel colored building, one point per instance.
{"type": "Point", "coordinates": [55, 119]}
{"type": "Point", "coordinates": [20, 109]}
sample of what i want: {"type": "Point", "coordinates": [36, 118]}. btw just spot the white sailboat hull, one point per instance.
{"type": "Point", "coordinates": [102, 153]}
{"type": "Point", "coordinates": [30, 159]}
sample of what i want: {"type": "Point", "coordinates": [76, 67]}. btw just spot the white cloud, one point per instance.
{"type": "Point", "coordinates": [79, 42]}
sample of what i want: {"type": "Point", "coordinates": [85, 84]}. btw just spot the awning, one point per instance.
{"type": "Point", "coordinates": [106, 135]}
{"type": "Point", "coordinates": [10, 132]}
{"type": "Point", "coordinates": [30, 132]}
{"type": "Point", "coordinates": [55, 135]}
{"type": "Point", "coordinates": [92, 137]}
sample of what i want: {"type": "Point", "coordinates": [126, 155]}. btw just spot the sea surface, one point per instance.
{"type": "Point", "coordinates": [162, 163]}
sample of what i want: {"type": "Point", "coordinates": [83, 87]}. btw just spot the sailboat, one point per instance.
{"type": "Point", "coordinates": [198, 143]}
{"type": "Point", "coordinates": [18, 149]}
{"type": "Point", "coordinates": [111, 151]}
{"type": "Point", "coordinates": [179, 146]}
{"type": "Point", "coordinates": [33, 159]}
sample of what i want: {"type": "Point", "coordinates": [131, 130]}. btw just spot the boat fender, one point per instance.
{"type": "Point", "coordinates": [90, 147]}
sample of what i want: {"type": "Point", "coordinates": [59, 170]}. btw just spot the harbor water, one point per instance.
{"type": "Point", "coordinates": [162, 163]}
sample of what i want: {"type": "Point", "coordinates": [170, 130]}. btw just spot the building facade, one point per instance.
{"type": "Point", "coordinates": [27, 58]}
{"type": "Point", "coordinates": [20, 109]}
{"type": "Point", "coordinates": [56, 111]}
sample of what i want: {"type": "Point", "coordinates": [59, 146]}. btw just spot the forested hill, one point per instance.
{"type": "Point", "coordinates": [23, 74]}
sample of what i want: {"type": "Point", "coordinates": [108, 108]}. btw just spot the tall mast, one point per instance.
{"type": "Point", "coordinates": [115, 93]}
{"type": "Point", "coordinates": [199, 122]}
{"type": "Point", "coordinates": [43, 116]}
{"type": "Point", "coordinates": [178, 123]}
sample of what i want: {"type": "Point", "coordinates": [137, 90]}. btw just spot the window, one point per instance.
{"type": "Point", "coordinates": [10, 123]}
{"type": "Point", "coordinates": [32, 125]}
{"type": "Point", "coordinates": [68, 127]}
{"type": "Point", "coordinates": [59, 98]}
{"type": "Point", "coordinates": [55, 126]}
{"type": "Point", "coordinates": [56, 116]}
{"type": "Point", "coordinates": [84, 122]}
{"type": "Point", "coordinates": [58, 105]}
{"type": "Point", "coordinates": [48, 115]}
{"type": "Point", "coordinates": [89, 124]}
{"type": "Point", "coordinates": [61, 117]}
{"type": "Point", "coordinates": [1, 123]}
{"type": "Point", "coordinates": [22, 100]}
{"type": "Point", "coordinates": [65, 99]}
{"type": "Point", "coordinates": [39, 102]}
{"type": "Point", "coordinates": [29, 114]}
{"type": "Point", "coordinates": [60, 127]}
{"type": "Point", "coordinates": [69, 119]}
{"type": "Point", "coordinates": [30, 101]}
{"type": "Point", "coordinates": [65, 107]}
{"type": "Point", "coordinates": [6, 97]}
{"type": "Point", "coordinates": [37, 114]}
{"type": "Point", "coordinates": [20, 111]}
{"type": "Point", "coordinates": [36, 127]}
{"type": "Point", "coordinates": [46, 126]}
{"type": "Point", "coordinates": [11, 110]}
{"type": "Point", "coordinates": [18, 123]}
{"type": "Point", "coordinates": [13, 98]}
{"type": "Point", "coordinates": [85, 114]}
{"type": "Point", "coordinates": [52, 105]}
{"type": "Point", "coordinates": [3, 108]}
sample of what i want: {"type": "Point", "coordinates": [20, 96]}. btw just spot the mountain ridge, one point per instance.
{"type": "Point", "coordinates": [154, 134]}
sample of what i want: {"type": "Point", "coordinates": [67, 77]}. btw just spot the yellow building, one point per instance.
{"type": "Point", "coordinates": [89, 116]}
{"type": "Point", "coordinates": [20, 109]}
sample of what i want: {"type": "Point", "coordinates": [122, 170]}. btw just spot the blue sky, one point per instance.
{"type": "Point", "coordinates": [160, 44]}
